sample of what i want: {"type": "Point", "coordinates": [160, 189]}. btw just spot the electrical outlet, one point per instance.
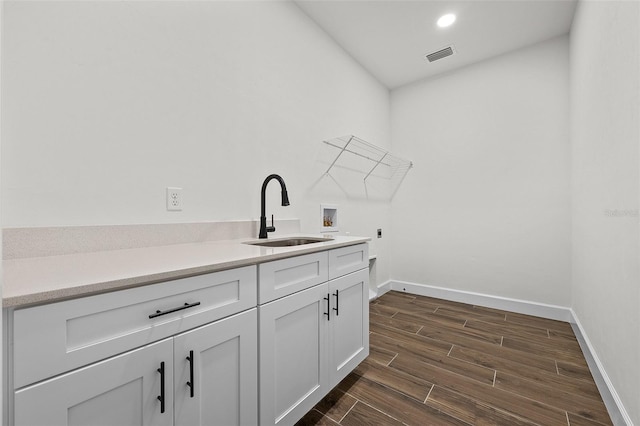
{"type": "Point", "coordinates": [379, 233]}
{"type": "Point", "coordinates": [174, 199]}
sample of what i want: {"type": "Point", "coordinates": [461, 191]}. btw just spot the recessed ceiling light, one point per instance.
{"type": "Point", "coordinates": [446, 20]}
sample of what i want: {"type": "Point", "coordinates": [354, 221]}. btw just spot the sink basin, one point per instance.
{"type": "Point", "coordinates": [288, 242]}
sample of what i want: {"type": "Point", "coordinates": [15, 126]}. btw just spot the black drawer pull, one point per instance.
{"type": "Point", "coordinates": [161, 397]}
{"type": "Point", "coordinates": [337, 303]}
{"type": "Point", "coordinates": [185, 306]}
{"type": "Point", "coordinates": [190, 382]}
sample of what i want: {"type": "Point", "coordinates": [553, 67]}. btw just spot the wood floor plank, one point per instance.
{"type": "Point", "coordinates": [566, 334]}
{"type": "Point", "coordinates": [379, 341]}
{"type": "Point", "coordinates": [531, 335]}
{"type": "Point", "coordinates": [506, 401]}
{"type": "Point", "coordinates": [468, 314]}
{"type": "Point", "coordinates": [471, 410]}
{"type": "Point", "coordinates": [507, 329]}
{"type": "Point", "coordinates": [575, 420]}
{"type": "Point", "coordinates": [315, 418]}
{"type": "Point", "coordinates": [335, 405]}
{"type": "Point", "coordinates": [584, 388]}
{"type": "Point", "coordinates": [428, 305]}
{"type": "Point", "coordinates": [409, 327]}
{"type": "Point", "coordinates": [528, 358]}
{"type": "Point", "coordinates": [384, 310]}
{"type": "Point", "coordinates": [473, 312]}
{"type": "Point", "coordinates": [362, 414]}
{"type": "Point", "coordinates": [399, 295]}
{"type": "Point", "coordinates": [379, 355]}
{"type": "Point", "coordinates": [397, 380]}
{"type": "Point", "coordinates": [425, 318]}
{"type": "Point", "coordinates": [394, 299]}
{"type": "Point", "coordinates": [573, 370]}
{"type": "Point", "coordinates": [409, 341]}
{"type": "Point", "coordinates": [439, 359]}
{"type": "Point", "coordinates": [545, 350]}
{"type": "Point", "coordinates": [497, 363]}
{"type": "Point", "coordinates": [412, 308]}
{"type": "Point", "coordinates": [494, 310]}
{"type": "Point", "coordinates": [539, 322]}
{"type": "Point", "coordinates": [443, 302]}
{"type": "Point", "coordinates": [570, 346]}
{"type": "Point", "coordinates": [458, 335]}
{"type": "Point", "coordinates": [396, 405]}
{"type": "Point", "coordinates": [551, 395]}
{"type": "Point", "coordinates": [433, 326]}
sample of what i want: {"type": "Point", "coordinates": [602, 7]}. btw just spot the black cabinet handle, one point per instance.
{"type": "Point", "coordinates": [337, 303]}
{"type": "Point", "coordinates": [328, 308]}
{"type": "Point", "coordinates": [161, 397]}
{"type": "Point", "coordinates": [179, 308]}
{"type": "Point", "coordinates": [190, 383]}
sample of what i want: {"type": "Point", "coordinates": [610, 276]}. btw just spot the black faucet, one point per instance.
{"type": "Point", "coordinates": [263, 218]}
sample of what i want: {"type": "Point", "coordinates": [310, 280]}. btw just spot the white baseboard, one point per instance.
{"type": "Point", "coordinates": [381, 289]}
{"type": "Point", "coordinates": [555, 312]}
{"type": "Point", "coordinates": [618, 413]}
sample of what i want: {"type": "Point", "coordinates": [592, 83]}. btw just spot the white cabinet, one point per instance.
{"type": "Point", "coordinates": [216, 373]}
{"type": "Point", "coordinates": [76, 363]}
{"type": "Point", "coordinates": [309, 341]}
{"type": "Point", "coordinates": [245, 346]}
{"type": "Point", "coordinates": [123, 390]}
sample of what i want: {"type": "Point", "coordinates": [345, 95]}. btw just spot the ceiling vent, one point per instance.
{"type": "Point", "coordinates": [442, 53]}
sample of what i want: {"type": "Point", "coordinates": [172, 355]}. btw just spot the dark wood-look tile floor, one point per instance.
{"type": "Point", "coordinates": [436, 362]}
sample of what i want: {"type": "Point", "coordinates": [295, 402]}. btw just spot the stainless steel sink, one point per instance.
{"type": "Point", "coordinates": [288, 242]}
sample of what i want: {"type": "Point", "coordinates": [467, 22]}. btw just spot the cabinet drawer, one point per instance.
{"type": "Point", "coordinates": [283, 277]}
{"type": "Point", "coordinates": [51, 339]}
{"type": "Point", "coordinates": [349, 259]}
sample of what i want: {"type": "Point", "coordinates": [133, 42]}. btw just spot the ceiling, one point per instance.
{"type": "Point", "coordinates": [391, 37]}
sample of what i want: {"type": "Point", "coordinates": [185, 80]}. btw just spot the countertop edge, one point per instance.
{"type": "Point", "coordinates": [101, 287]}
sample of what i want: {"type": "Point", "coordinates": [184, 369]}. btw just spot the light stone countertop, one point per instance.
{"type": "Point", "coordinates": [37, 280]}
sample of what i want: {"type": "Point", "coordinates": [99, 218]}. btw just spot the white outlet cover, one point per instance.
{"type": "Point", "coordinates": [174, 199]}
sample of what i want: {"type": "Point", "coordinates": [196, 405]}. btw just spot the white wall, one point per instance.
{"type": "Point", "coordinates": [605, 133]}
{"type": "Point", "coordinates": [108, 103]}
{"type": "Point", "coordinates": [486, 208]}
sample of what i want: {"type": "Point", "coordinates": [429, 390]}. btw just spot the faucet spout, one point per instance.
{"type": "Point", "coordinates": [263, 215]}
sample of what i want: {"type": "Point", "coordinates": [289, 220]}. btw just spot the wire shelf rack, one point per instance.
{"type": "Point", "coordinates": [396, 167]}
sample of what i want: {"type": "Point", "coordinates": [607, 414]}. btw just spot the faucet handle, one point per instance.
{"type": "Point", "coordinates": [272, 227]}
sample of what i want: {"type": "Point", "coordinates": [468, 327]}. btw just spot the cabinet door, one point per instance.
{"type": "Point", "coordinates": [220, 363]}
{"type": "Point", "coordinates": [122, 390]}
{"type": "Point", "coordinates": [349, 325]}
{"type": "Point", "coordinates": [293, 355]}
